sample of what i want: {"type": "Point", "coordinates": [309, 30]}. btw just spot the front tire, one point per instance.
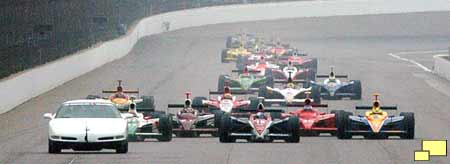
{"type": "Point", "coordinates": [53, 147]}
{"type": "Point", "coordinates": [225, 127]}
{"type": "Point", "coordinates": [356, 88]}
{"type": "Point", "coordinates": [122, 147]}
{"type": "Point", "coordinates": [165, 128]}
{"type": "Point", "coordinates": [294, 129]}
{"type": "Point", "coordinates": [342, 125]}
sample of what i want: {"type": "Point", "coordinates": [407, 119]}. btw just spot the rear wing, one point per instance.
{"type": "Point", "coordinates": [370, 107]}
{"type": "Point", "coordinates": [182, 106]}
{"type": "Point", "coordinates": [127, 91]}
{"type": "Point", "coordinates": [233, 92]}
{"type": "Point", "coordinates": [255, 111]}
{"type": "Point", "coordinates": [242, 71]}
{"type": "Point", "coordinates": [337, 76]}
{"type": "Point", "coordinates": [281, 81]}
{"type": "Point", "coordinates": [313, 105]}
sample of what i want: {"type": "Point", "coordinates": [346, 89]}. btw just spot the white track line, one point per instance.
{"type": "Point", "coordinates": [395, 55]}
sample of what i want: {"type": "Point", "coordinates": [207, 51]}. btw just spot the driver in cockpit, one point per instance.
{"type": "Point", "coordinates": [119, 94]}
{"type": "Point", "coordinates": [227, 94]}
{"type": "Point", "coordinates": [307, 105]}
{"type": "Point", "coordinates": [260, 114]}
{"type": "Point", "coordinates": [332, 77]}
{"type": "Point", "coordinates": [188, 108]}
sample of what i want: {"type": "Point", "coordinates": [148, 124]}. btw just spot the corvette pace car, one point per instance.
{"type": "Point", "coordinates": [146, 122]}
{"type": "Point", "coordinates": [259, 126]}
{"type": "Point", "coordinates": [332, 88]}
{"type": "Point", "coordinates": [245, 82]}
{"type": "Point", "coordinates": [87, 125]}
{"type": "Point", "coordinates": [194, 118]}
{"type": "Point", "coordinates": [289, 93]}
{"type": "Point", "coordinates": [376, 123]}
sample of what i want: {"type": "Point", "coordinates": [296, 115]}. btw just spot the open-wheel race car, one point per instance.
{"type": "Point", "coordinates": [146, 121]}
{"type": "Point", "coordinates": [194, 118]}
{"type": "Point", "coordinates": [332, 88]}
{"type": "Point", "coordinates": [259, 125]}
{"type": "Point", "coordinates": [289, 92]}
{"type": "Point", "coordinates": [246, 81]}
{"type": "Point", "coordinates": [375, 123]}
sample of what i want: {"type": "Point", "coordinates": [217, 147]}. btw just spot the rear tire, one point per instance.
{"type": "Point", "coordinates": [315, 94]}
{"type": "Point", "coordinates": [225, 127]}
{"type": "Point", "coordinates": [254, 101]}
{"type": "Point", "coordinates": [294, 129]}
{"type": "Point", "coordinates": [408, 125]}
{"type": "Point", "coordinates": [221, 83]}
{"type": "Point", "coordinates": [356, 88]}
{"type": "Point", "coordinates": [342, 125]}
{"type": "Point", "coordinates": [147, 105]}
{"type": "Point", "coordinates": [223, 56]}
{"type": "Point", "coordinates": [217, 119]}
{"type": "Point", "coordinates": [165, 128]}
{"type": "Point", "coordinates": [53, 147]}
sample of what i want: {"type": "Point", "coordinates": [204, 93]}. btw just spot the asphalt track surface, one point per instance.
{"type": "Point", "coordinates": [169, 64]}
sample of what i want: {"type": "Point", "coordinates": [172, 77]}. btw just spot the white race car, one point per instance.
{"type": "Point", "coordinates": [87, 125]}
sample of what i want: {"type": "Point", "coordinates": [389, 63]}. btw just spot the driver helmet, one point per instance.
{"type": "Point", "coordinates": [260, 115]}
{"type": "Point", "coordinates": [376, 106]}
{"type": "Point", "coordinates": [188, 103]}
{"type": "Point", "coordinates": [119, 89]}
{"type": "Point", "coordinates": [308, 105]}
{"type": "Point", "coordinates": [227, 96]}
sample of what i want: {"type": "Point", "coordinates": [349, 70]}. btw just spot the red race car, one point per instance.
{"type": "Point", "coordinates": [313, 122]}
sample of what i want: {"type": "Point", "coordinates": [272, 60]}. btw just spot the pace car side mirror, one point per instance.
{"type": "Point", "coordinates": [48, 116]}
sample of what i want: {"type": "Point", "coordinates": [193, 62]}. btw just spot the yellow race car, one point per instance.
{"type": "Point", "coordinates": [231, 54]}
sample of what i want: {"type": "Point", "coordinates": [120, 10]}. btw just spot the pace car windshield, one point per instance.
{"type": "Point", "coordinates": [88, 111]}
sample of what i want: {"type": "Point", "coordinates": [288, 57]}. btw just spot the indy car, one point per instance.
{"type": "Point", "coordinates": [289, 93]}
{"type": "Point", "coordinates": [299, 61]}
{"type": "Point", "coordinates": [226, 102]}
{"type": "Point", "coordinates": [294, 72]}
{"type": "Point", "coordinates": [376, 123]}
{"type": "Point", "coordinates": [248, 40]}
{"type": "Point", "coordinates": [332, 88]}
{"type": "Point", "coordinates": [194, 118]}
{"type": "Point", "coordinates": [246, 81]}
{"type": "Point", "coordinates": [258, 125]}
{"type": "Point", "coordinates": [232, 54]}
{"type": "Point", "coordinates": [145, 121]}
{"type": "Point", "coordinates": [87, 125]}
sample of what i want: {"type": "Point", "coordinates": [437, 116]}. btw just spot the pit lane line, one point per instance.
{"type": "Point", "coordinates": [396, 55]}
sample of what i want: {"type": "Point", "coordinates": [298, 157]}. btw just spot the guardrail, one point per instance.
{"type": "Point", "coordinates": [33, 82]}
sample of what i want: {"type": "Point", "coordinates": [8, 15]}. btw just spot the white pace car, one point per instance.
{"type": "Point", "coordinates": [87, 125]}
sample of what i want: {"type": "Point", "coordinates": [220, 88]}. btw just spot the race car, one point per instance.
{"type": "Point", "coordinates": [259, 68]}
{"type": "Point", "coordinates": [231, 54]}
{"type": "Point", "coordinates": [194, 119]}
{"type": "Point", "coordinates": [289, 93]}
{"type": "Point", "coordinates": [332, 88]}
{"type": "Point", "coordinates": [226, 102]}
{"type": "Point", "coordinates": [375, 123]}
{"type": "Point", "coordinates": [146, 121]}
{"type": "Point", "coordinates": [87, 125]}
{"type": "Point", "coordinates": [246, 81]}
{"type": "Point", "coordinates": [248, 40]}
{"type": "Point", "coordinates": [312, 121]}
{"type": "Point", "coordinates": [299, 61]}
{"type": "Point", "coordinates": [291, 70]}
{"type": "Point", "coordinates": [258, 126]}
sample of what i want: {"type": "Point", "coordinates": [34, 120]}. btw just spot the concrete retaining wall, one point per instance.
{"type": "Point", "coordinates": [31, 83]}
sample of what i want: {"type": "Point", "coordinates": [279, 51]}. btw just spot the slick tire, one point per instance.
{"type": "Point", "coordinates": [408, 125]}
{"type": "Point", "coordinates": [165, 128]}
{"type": "Point", "coordinates": [294, 129]}
{"type": "Point", "coordinates": [342, 125]}
{"type": "Point", "coordinates": [225, 127]}
{"type": "Point", "coordinates": [357, 90]}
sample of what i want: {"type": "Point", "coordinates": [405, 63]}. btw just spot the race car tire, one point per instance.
{"type": "Point", "coordinates": [198, 101]}
{"type": "Point", "coordinates": [122, 147]}
{"type": "Point", "coordinates": [223, 56]}
{"type": "Point", "coordinates": [294, 129]}
{"type": "Point", "coordinates": [217, 117]}
{"type": "Point", "coordinates": [53, 147]}
{"type": "Point", "coordinates": [254, 101]}
{"type": "Point", "coordinates": [357, 89]}
{"type": "Point", "coordinates": [262, 92]}
{"type": "Point", "coordinates": [221, 83]}
{"type": "Point", "coordinates": [225, 127]}
{"type": "Point", "coordinates": [165, 128]}
{"type": "Point", "coordinates": [147, 104]}
{"type": "Point", "coordinates": [241, 62]}
{"type": "Point", "coordinates": [408, 125]}
{"type": "Point", "coordinates": [313, 64]}
{"type": "Point", "coordinates": [269, 78]}
{"type": "Point", "coordinates": [315, 94]}
{"type": "Point", "coordinates": [92, 97]}
{"type": "Point", "coordinates": [342, 125]}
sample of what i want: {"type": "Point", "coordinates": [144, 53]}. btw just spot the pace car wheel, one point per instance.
{"type": "Point", "coordinates": [225, 127]}
{"type": "Point", "coordinates": [221, 83]}
{"type": "Point", "coordinates": [223, 56]}
{"type": "Point", "coordinates": [53, 147]}
{"type": "Point", "coordinates": [294, 129]}
{"type": "Point", "coordinates": [122, 147]}
{"type": "Point", "coordinates": [356, 88]}
{"type": "Point", "coordinates": [165, 128]}
{"type": "Point", "coordinates": [342, 125]}
{"type": "Point", "coordinates": [408, 125]}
